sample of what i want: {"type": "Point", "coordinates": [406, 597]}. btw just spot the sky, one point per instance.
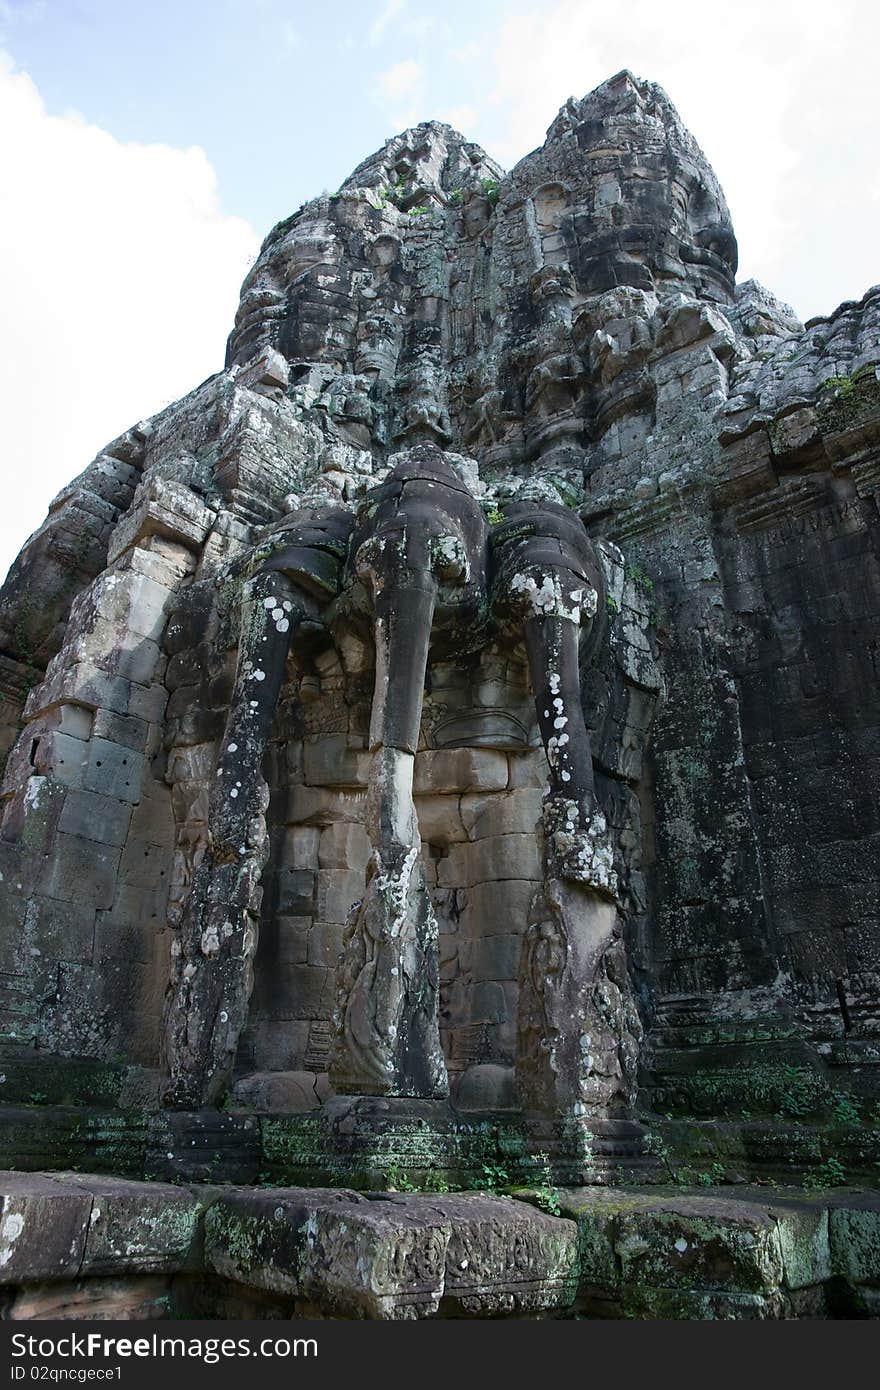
{"type": "Point", "coordinates": [147, 148]}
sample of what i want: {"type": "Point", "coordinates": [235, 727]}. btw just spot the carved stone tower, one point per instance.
{"type": "Point", "coordinates": [454, 724]}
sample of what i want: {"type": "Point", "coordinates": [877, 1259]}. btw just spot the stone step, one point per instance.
{"type": "Point", "coordinates": [71, 1242]}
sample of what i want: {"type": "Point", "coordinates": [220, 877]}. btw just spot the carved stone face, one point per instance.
{"type": "Point", "coordinates": [476, 213]}
{"type": "Point", "coordinates": [645, 208]}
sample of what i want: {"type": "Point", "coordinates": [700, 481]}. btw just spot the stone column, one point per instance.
{"type": "Point", "coordinates": [387, 1026]}
{"type": "Point", "coordinates": [577, 1028]}
{"type": "Point", "coordinates": [214, 946]}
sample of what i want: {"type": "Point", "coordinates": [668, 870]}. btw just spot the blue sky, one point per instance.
{"type": "Point", "coordinates": [284, 98]}
{"type": "Point", "coordinates": [147, 148]}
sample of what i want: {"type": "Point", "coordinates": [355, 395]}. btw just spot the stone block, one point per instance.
{"type": "Point", "coordinates": [396, 1259]}
{"type": "Point", "coordinates": [81, 871]}
{"type": "Point", "coordinates": [278, 1093]}
{"type": "Point", "coordinates": [495, 858]}
{"type": "Point", "coordinates": [96, 817]}
{"type": "Point", "coordinates": [61, 757]}
{"type": "Point", "coordinates": [130, 602]}
{"type": "Point", "coordinates": [60, 931]}
{"type": "Point", "coordinates": [162, 508]}
{"type": "Point", "coordinates": [153, 819]}
{"type": "Point", "coordinates": [277, 1047]}
{"type": "Point", "coordinates": [331, 762]}
{"type": "Point", "coordinates": [487, 1003]}
{"type": "Point", "coordinates": [325, 944]}
{"type": "Point", "coordinates": [310, 990]}
{"type": "Point", "coordinates": [137, 1227]}
{"type": "Point", "coordinates": [287, 939]}
{"type": "Point", "coordinates": [144, 865]}
{"type": "Point", "coordinates": [854, 1237]}
{"type": "Point", "coordinates": [803, 1229]}
{"type": "Point", "coordinates": [73, 720]}
{"type": "Point", "coordinates": [82, 683]}
{"type": "Point", "coordinates": [113, 770]}
{"type": "Point", "coordinates": [487, 1086]}
{"type": "Point", "coordinates": [164, 562]}
{"type": "Point", "coordinates": [43, 1226]}
{"type": "Point", "coordinates": [439, 819]}
{"type": "Point", "coordinates": [497, 908]}
{"type": "Point", "coordinates": [148, 702]}
{"type": "Point", "coordinates": [336, 890]}
{"type": "Point", "coordinates": [128, 941]}
{"type": "Point", "coordinates": [125, 729]}
{"type": "Point", "coordinates": [319, 806]}
{"type": "Point", "coordinates": [691, 1244]}
{"type": "Point", "coordinates": [260, 1238]}
{"type": "Point", "coordinates": [116, 649]}
{"type": "Point", "coordinates": [459, 770]}
{"type": "Point", "coordinates": [296, 892]}
{"type": "Point", "coordinates": [141, 902]}
{"type": "Point", "coordinates": [344, 845]}
{"type": "Point", "coordinates": [529, 770]}
{"type": "Point", "coordinates": [300, 847]}
{"type": "Point", "coordinates": [268, 368]}
{"type": "Point", "coordinates": [495, 957]}
{"type": "Point", "coordinates": [506, 813]}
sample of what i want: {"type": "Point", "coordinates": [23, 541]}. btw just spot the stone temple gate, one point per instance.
{"type": "Point", "coordinates": [446, 742]}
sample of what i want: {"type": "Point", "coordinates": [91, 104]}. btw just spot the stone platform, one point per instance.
{"type": "Point", "coordinates": [374, 1143]}
{"type": "Point", "coordinates": [93, 1247]}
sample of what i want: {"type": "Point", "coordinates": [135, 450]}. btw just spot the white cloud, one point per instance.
{"type": "Point", "coordinates": [781, 97]}
{"type": "Point", "coordinates": [386, 15]}
{"type": "Point", "coordinates": [401, 90]}
{"type": "Point", "coordinates": [462, 118]}
{"type": "Point", "coordinates": [119, 278]}
{"type": "Point", "coordinates": [469, 53]}
{"type": "Point", "coordinates": [404, 79]}
{"type": "Point", "coordinates": [290, 35]}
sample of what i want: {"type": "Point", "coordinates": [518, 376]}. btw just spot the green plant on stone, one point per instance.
{"type": "Point", "coordinates": [713, 1177]}
{"type": "Point", "coordinates": [396, 193]}
{"type": "Point", "coordinates": [611, 605]}
{"type": "Point", "coordinates": [419, 211]}
{"type": "Point", "coordinates": [491, 191]}
{"type": "Point", "coordinates": [798, 1099]}
{"type": "Point", "coordinates": [642, 581]}
{"type": "Point", "coordinates": [494, 516]}
{"type": "Point", "coordinates": [548, 1200]}
{"type": "Point", "coordinates": [657, 1147]}
{"type": "Point", "coordinates": [845, 1110]}
{"type": "Point", "coordinates": [546, 1192]}
{"type": "Point", "coordinates": [494, 1177]}
{"type": "Point", "coordinates": [397, 1181]}
{"type": "Point", "coordinates": [435, 1182]}
{"type": "Point", "coordinates": [844, 387]}
{"type": "Point", "coordinates": [831, 1173]}
{"type": "Point", "coordinates": [455, 198]}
